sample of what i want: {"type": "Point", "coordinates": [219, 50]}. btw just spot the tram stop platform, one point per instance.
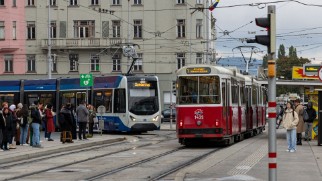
{"type": "Point", "coordinates": [52, 147]}
{"type": "Point", "coordinates": [248, 160]}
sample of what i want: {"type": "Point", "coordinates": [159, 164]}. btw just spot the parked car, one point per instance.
{"type": "Point", "coordinates": [165, 115]}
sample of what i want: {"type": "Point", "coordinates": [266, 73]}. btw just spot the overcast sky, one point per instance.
{"type": "Point", "coordinates": [298, 25]}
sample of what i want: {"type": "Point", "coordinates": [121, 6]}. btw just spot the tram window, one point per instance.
{"type": "Point", "coordinates": [254, 95]}
{"type": "Point", "coordinates": [103, 98]}
{"type": "Point", "coordinates": [234, 91]}
{"type": "Point", "coordinates": [242, 94]}
{"type": "Point", "coordinates": [7, 98]}
{"type": "Point", "coordinates": [68, 97]}
{"type": "Point", "coordinates": [119, 101]}
{"type": "Point", "coordinates": [46, 99]}
{"type": "Point", "coordinates": [209, 90]}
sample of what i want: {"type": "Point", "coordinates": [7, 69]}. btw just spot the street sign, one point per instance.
{"type": "Point", "coordinates": [101, 110]}
{"type": "Point", "coordinates": [86, 80]}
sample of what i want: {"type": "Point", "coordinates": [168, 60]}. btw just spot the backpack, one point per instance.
{"type": "Point", "coordinates": [305, 115]}
{"type": "Point", "coordinates": [29, 118]}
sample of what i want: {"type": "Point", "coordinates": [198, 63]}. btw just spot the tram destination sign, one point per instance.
{"type": "Point", "coordinates": [86, 80]}
{"type": "Point", "coordinates": [198, 70]}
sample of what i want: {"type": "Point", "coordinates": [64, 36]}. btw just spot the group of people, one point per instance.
{"type": "Point", "coordinates": [295, 124]}
{"type": "Point", "coordinates": [23, 124]}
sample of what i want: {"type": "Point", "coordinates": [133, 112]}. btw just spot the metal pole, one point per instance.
{"type": "Point", "coordinates": [128, 33]}
{"type": "Point", "coordinates": [171, 82]}
{"type": "Point", "coordinates": [207, 31]}
{"type": "Point", "coordinates": [272, 100]}
{"type": "Point", "coordinates": [49, 42]}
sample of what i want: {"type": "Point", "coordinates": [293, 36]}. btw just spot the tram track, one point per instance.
{"type": "Point", "coordinates": [157, 176]}
{"type": "Point", "coordinates": [129, 146]}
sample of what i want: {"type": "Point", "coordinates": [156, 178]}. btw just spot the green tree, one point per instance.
{"type": "Point", "coordinates": [281, 51]}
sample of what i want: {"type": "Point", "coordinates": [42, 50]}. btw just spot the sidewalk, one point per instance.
{"type": "Point", "coordinates": [50, 147]}
{"type": "Point", "coordinates": [248, 160]}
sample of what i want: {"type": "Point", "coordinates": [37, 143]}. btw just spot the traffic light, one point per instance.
{"type": "Point", "coordinates": [174, 88]}
{"type": "Point", "coordinates": [268, 40]}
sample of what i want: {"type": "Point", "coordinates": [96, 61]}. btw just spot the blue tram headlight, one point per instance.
{"type": "Point", "coordinates": [132, 118]}
{"type": "Point", "coordinates": [155, 118]}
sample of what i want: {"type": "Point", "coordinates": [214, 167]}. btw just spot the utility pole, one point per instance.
{"type": "Point", "coordinates": [128, 32]}
{"type": "Point", "coordinates": [208, 18]}
{"type": "Point", "coordinates": [270, 41]}
{"type": "Point", "coordinates": [49, 42]}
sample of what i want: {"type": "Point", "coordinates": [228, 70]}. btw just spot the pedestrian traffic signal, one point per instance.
{"type": "Point", "coordinates": [268, 40]}
{"type": "Point", "coordinates": [174, 88]}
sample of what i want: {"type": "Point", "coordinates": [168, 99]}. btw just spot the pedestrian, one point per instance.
{"type": "Point", "coordinates": [279, 115]}
{"type": "Point", "coordinates": [49, 117]}
{"type": "Point", "coordinates": [300, 126]}
{"type": "Point", "coordinates": [70, 107]}
{"type": "Point", "coordinates": [36, 123]}
{"type": "Point", "coordinates": [10, 129]}
{"type": "Point", "coordinates": [92, 116]}
{"type": "Point", "coordinates": [309, 123]}
{"type": "Point", "coordinates": [16, 136]}
{"type": "Point", "coordinates": [66, 124]}
{"type": "Point", "coordinates": [22, 116]}
{"type": "Point", "coordinates": [82, 117]}
{"type": "Point", "coordinates": [2, 127]}
{"type": "Point", "coordinates": [290, 120]}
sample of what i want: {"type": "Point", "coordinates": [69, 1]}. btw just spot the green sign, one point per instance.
{"type": "Point", "coordinates": [86, 80]}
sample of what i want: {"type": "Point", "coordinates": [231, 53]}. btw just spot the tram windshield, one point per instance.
{"type": "Point", "coordinates": [199, 90]}
{"type": "Point", "coordinates": [143, 97]}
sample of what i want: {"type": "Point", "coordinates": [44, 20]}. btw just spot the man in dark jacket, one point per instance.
{"type": "Point", "coordinates": [308, 123]}
{"type": "Point", "coordinates": [66, 124]}
{"type": "Point", "coordinates": [36, 122]}
{"type": "Point", "coordinates": [82, 117]}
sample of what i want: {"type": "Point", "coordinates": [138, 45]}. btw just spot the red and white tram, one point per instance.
{"type": "Point", "coordinates": [218, 104]}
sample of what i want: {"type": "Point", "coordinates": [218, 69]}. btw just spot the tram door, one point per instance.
{"type": "Point", "coordinates": [80, 96]}
{"type": "Point", "coordinates": [226, 97]}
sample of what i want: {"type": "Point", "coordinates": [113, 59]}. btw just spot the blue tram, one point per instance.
{"type": "Point", "coordinates": [132, 102]}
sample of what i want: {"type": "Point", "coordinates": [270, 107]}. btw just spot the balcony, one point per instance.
{"type": "Point", "coordinates": [76, 43]}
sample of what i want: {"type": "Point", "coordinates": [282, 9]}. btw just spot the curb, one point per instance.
{"type": "Point", "coordinates": [48, 151]}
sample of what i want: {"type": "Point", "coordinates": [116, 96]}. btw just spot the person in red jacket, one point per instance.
{"type": "Point", "coordinates": [49, 115]}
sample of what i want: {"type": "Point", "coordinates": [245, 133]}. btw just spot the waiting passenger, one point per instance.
{"type": "Point", "coordinates": [50, 127]}
{"type": "Point", "coordinates": [22, 114]}
{"type": "Point", "coordinates": [290, 120]}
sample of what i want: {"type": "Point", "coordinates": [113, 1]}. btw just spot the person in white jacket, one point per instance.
{"type": "Point", "coordinates": [290, 121]}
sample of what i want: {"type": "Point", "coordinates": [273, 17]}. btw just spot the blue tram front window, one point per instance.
{"type": "Point", "coordinates": [143, 97]}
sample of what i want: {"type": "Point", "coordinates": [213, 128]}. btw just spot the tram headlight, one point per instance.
{"type": "Point", "coordinates": [132, 118]}
{"type": "Point", "coordinates": [155, 118]}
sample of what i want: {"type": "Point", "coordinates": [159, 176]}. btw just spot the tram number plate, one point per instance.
{"type": "Point", "coordinates": [198, 135]}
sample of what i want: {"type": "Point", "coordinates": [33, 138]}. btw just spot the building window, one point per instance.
{"type": "Point", "coordinates": [116, 29]}
{"type": "Point", "coordinates": [95, 62]}
{"type": "Point", "coordinates": [31, 62]}
{"type": "Point", "coordinates": [2, 37]}
{"type": "Point", "coordinates": [116, 62]}
{"type": "Point", "coordinates": [73, 62]}
{"type": "Point", "coordinates": [94, 2]}
{"type": "Point", "coordinates": [181, 28]}
{"type": "Point", "coordinates": [137, 2]}
{"type": "Point", "coordinates": [137, 28]}
{"type": "Point", "coordinates": [138, 66]}
{"type": "Point", "coordinates": [199, 58]}
{"type": "Point", "coordinates": [116, 2]}
{"type": "Point", "coordinates": [14, 30]}
{"type": "Point", "coordinates": [1, 2]}
{"type": "Point", "coordinates": [8, 60]}
{"type": "Point", "coordinates": [31, 30]}
{"type": "Point", "coordinates": [53, 3]}
{"type": "Point", "coordinates": [30, 2]}
{"type": "Point", "coordinates": [14, 3]}
{"type": "Point", "coordinates": [105, 29]}
{"type": "Point", "coordinates": [53, 63]}
{"type": "Point", "coordinates": [53, 29]}
{"type": "Point", "coordinates": [199, 28]}
{"type": "Point", "coordinates": [180, 1]}
{"type": "Point", "coordinates": [84, 29]}
{"type": "Point", "coordinates": [199, 1]}
{"type": "Point", "coordinates": [181, 60]}
{"type": "Point", "coordinates": [73, 2]}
